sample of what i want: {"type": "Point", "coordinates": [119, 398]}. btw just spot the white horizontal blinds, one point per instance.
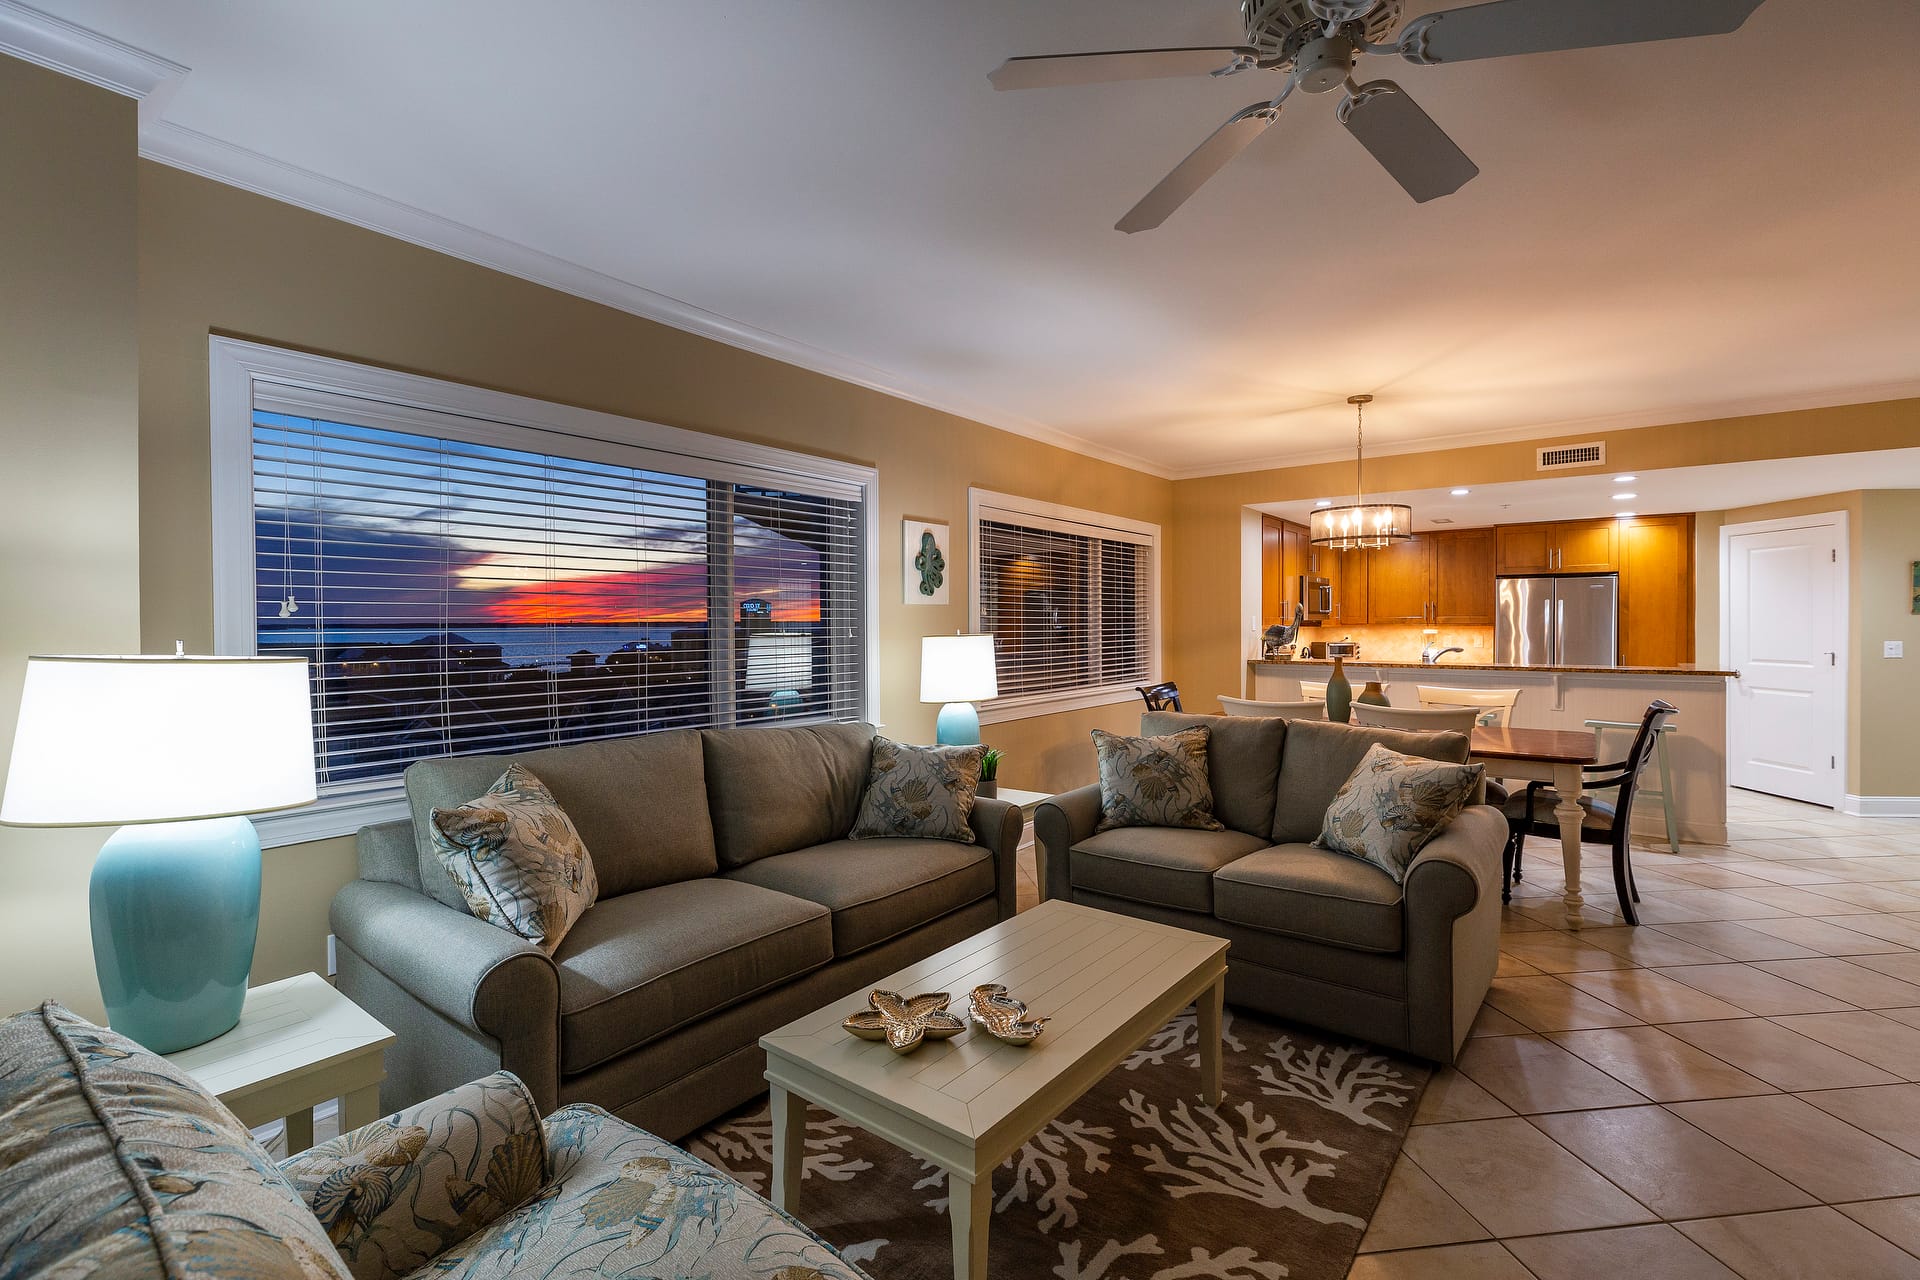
{"type": "Point", "coordinates": [457, 595]}
{"type": "Point", "coordinates": [1069, 606]}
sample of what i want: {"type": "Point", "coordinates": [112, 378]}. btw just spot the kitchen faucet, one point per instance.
{"type": "Point", "coordinates": [1430, 656]}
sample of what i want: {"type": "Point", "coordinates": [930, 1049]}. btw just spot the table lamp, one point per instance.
{"type": "Point", "coordinates": [957, 671]}
{"type": "Point", "coordinates": [780, 664]}
{"type": "Point", "coordinates": [177, 748]}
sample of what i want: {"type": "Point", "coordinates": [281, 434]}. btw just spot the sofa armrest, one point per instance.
{"type": "Point", "coordinates": [997, 826]}
{"type": "Point", "coordinates": [1460, 865]}
{"type": "Point", "coordinates": [1061, 822]}
{"type": "Point", "coordinates": [1453, 930]}
{"type": "Point", "coordinates": [475, 974]}
{"type": "Point", "coordinates": [394, 1195]}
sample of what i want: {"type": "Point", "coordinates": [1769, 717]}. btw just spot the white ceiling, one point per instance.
{"type": "Point", "coordinates": [1660, 233]}
{"type": "Point", "coordinates": [1720, 487]}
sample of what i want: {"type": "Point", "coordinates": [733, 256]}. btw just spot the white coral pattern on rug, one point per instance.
{"type": "Point", "coordinates": [1043, 1171]}
{"type": "Point", "coordinates": [1237, 1263]}
{"type": "Point", "coordinates": [1181, 1033]}
{"type": "Point", "coordinates": [1220, 1158]}
{"type": "Point", "coordinates": [738, 1144]}
{"type": "Point", "coordinates": [1346, 1080]}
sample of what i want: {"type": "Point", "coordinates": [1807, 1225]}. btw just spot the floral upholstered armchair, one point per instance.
{"type": "Point", "coordinates": [115, 1165]}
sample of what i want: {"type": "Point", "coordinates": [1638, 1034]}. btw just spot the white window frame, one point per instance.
{"type": "Point", "coordinates": [239, 372]}
{"type": "Point", "coordinates": [1007, 507]}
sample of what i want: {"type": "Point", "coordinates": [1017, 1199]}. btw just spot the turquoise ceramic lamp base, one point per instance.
{"type": "Point", "coordinates": [176, 906]}
{"type": "Point", "coordinates": [958, 725]}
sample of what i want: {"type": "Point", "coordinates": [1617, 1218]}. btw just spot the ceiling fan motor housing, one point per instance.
{"type": "Point", "coordinates": [1280, 29]}
{"type": "Point", "coordinates": [1325, 64]}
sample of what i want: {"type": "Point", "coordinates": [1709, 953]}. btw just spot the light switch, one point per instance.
{"type": "Point", "coordinates": [1893, 648]}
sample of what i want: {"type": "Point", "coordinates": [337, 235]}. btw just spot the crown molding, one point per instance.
{"type": "Point", "coordinates": [59, 45]}
{"type": "Point", "coordinates": [1757, 406]}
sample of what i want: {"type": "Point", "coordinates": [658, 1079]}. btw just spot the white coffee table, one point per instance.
{"type": "Point", "coordinates": [298, 1044]}
{"type": "Point", "coordinates": [966, 1104]}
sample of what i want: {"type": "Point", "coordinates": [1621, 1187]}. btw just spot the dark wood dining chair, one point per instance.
{"type": "Point", "coordinates": [1607, 821]}
{"type": "Point", "coordinates": [1164, 696]}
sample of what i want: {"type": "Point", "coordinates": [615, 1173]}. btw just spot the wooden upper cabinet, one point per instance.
{"type": "Point", "coordinates": [1293, 561]}
{"type": "Point", "coordinates": [1656, 591]}
{"type": "Point", "coordinates": [1400, 581]}
{"type": "Point", "coordinates": [1347, 571]}
{"type": "Point", "coordinates": [1569, 546]}
{"type": "Point", "coordinates": [1463, 578]}
{"type": "Point", "coordinates": [1270, 594]}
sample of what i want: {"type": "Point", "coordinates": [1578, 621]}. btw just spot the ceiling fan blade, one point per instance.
{"type": "Point", "coordinates": [1207, 159]}
{"type": "Point", "coordinates": [1406, 141]}
{"type": "Point", "coordinates": [1051, 71]}
{"type": "Point", "coordinates": [1506, 27]}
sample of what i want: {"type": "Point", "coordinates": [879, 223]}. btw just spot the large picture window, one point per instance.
{"type": "Point", "coordinates": [473, 572]}
{"type": "Point", "coordinates": [1070, 599]}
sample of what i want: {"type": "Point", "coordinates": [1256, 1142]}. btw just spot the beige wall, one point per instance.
{"type": "Point", "coordinates": [214, 259]}
{"type": "Point", "coordinates": [1207, 635]}
{"type": "Point", "coordinates": [69, 561]}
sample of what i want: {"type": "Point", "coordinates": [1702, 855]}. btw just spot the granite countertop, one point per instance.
{"type": "Point", "coordinates": [1441, 668]}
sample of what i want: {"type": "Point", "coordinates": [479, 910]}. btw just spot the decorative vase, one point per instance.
{"type": "Point", "coordinates": [1373, 695]}
{"type": "Point", "coordinates": [1339, 693]}
{"type": "Point", "coordinates": [989, 787]}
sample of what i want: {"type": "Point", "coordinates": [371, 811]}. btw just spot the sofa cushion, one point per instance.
{"type": "Point", "coordinates": [1393, 805]}
{"type": "Point", "coordinates": [1168, 866]}
{"type": "Point", "coordinates": [637, 966]}
{"type": "Point", "coordinates": [1243, 763]}
{"type": "Point", "coordinates": [923, 793]}
{"type": "Point", "coordinates": [517, 859]}
{"type": "Point", "coordinates": [779, 789]}
{"type": "Point", "coordinates": [1155, 782]}
{"type": "Point", "coordinates": [1321, 755]}
{"type": "Point", "coordinates": [1304, 892]}
{"type": "Point", "coordinates": [879, 888]}
{"type": "Point", "coordinates": [639, 803]}
{"type": "Point", "coordinates": [396, 1194]}
{"type": "Point", "coordinates": [623, 1202]}
{"type": "Point", "coordinates": [115, 1165]}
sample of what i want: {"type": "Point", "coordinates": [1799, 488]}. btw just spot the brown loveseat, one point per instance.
{"type": "Point", "coordinates": [1317, 936]}
{"type": "Point", "coordinates": [730, 903]}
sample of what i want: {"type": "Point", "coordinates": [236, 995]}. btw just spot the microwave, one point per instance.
{"type": "Point", "coordinates": [1316, 598]}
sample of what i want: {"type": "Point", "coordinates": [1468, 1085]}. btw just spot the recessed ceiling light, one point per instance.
{"type": "Point", "coordinates": [1625, 479]}
{"type": "Point", "coordinates": [1324, 502]}
{"type": "Point", "coordinates": [1625, 497]}
{"type": "Point", "coordinates": [1460, 493]}
{"type": "Point", "coordinates": [1443, 520]}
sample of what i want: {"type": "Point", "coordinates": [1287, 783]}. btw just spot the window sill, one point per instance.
{"type": "Point", "coordinates": [1029, 706]}
{"type": "Point", "coordinates": [332, 815]}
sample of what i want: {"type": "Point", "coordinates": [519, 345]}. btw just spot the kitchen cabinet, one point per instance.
{"type": "Point", "coordinates": [1347, 571]}
{"type": "Point", "coordinates": [1285, 554]}
{"type": "Point", "coordinates": [1400, 581]}
{"type": "Point", "coordinates": [1270, 594]}
{"type": "Point", "coordinates": [1566, 546]}
{"type": "Point", "coordinates": [1656, 591]}
{"type": "Point", "coordinates": [1463, 578]}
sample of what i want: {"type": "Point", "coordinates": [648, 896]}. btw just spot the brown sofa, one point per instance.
{"type": "Point", "coordinates": [1316, 936]}
{"type": "Point", "coordinates": [730, 903]}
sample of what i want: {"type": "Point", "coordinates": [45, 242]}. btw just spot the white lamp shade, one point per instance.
{"type": "Point", "coordinates": [778, 661]}
{"type": "Point", "coordinates": [104, 741]}
{"type": "Point", "coordinates": [957, 669]}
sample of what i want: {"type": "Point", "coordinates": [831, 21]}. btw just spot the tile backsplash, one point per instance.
{"type": "Point", "coordinates": [1404, 643]}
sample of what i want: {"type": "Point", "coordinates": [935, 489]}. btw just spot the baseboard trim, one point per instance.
{"type": "Point", "coordinates": [1882, 806]}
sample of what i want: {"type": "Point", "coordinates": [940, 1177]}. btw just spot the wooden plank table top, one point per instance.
{"type": "Point", "coordinates": [1551, 746]}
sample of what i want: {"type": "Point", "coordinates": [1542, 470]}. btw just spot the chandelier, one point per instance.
{"type": "Point", "coordinates": [1364, 525]}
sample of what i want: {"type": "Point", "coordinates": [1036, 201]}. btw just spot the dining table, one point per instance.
{"type": "Point", "coordinates": [1558, 757]}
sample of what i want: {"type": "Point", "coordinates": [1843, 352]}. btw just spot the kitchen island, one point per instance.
{"type": "Point", "coordinates": [1566, 698]}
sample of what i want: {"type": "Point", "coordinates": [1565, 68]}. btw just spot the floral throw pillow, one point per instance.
{"type": "Point", "coordinates": [517, 859]}
{"type": "Point", "coordinates": [919, 792]}
{"type": "Point", "coordinates": [1155, 782]}
{"type": "Point", "coordinates": [1392, 805]}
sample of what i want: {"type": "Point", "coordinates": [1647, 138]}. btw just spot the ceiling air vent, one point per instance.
{"type": "Point", "coordinates": [1562, 457]}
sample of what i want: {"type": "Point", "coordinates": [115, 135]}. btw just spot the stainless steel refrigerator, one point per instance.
{"type": "Point", "coordinates": [1557, 622]}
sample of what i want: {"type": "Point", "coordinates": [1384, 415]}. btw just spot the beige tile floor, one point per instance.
{"type": "Point", "coordinates": [1725, 1091]}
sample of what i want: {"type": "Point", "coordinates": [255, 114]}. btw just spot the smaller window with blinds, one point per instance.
{"type": "Point", "coordinates": [473, 572]}
{"type": "Point", "coordinates": [1070, 598]}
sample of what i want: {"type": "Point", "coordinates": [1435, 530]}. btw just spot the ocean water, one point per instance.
{"type": "Point", "coordinates": [519, 645]}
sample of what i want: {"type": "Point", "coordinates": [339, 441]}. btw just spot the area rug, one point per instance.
{"type": "Point", "coordinates": [1138, 1180]}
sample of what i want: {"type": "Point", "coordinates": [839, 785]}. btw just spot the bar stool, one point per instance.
{"type": "Point", "coordinates": [1665, 792]}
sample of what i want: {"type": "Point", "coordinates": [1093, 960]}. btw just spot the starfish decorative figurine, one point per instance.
{"type": "Point", "coordinates": [904, 1022]}
{"type": "Point", "coordinates": [1001, 1016]}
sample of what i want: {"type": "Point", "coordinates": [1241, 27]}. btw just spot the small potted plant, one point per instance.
{"type": "Point", "coordinates": [990, 772]}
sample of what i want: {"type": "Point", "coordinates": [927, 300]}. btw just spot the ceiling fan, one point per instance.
{"type": "Point", "coordinates": [1316, 43]}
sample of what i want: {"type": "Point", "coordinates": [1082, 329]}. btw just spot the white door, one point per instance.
{"type": "Point", "coordinates": [1786, 628]}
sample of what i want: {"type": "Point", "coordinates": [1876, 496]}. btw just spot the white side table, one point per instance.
{"type": "Point", "coordinates": [298, 1043]}
{"type": "Point", "coordinates": [1025, 801]}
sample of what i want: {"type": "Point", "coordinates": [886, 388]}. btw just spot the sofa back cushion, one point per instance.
{"type": "Point", "coordinates": [1243, 763]}
{"type": "Point", "coordinates": [639, 804]}
{"type": "Point", "coordinates": [115, 1165]}
{"type": "Point", "coordinates": [1321, 755]}
{"type": "Point", "coordinates": [780, 789]}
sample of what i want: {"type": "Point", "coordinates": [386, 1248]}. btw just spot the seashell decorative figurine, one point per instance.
{"type": "Point", "coordinates": [1001, 1016]}
{"type": "Point", "coordinates": [904, 1022]}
